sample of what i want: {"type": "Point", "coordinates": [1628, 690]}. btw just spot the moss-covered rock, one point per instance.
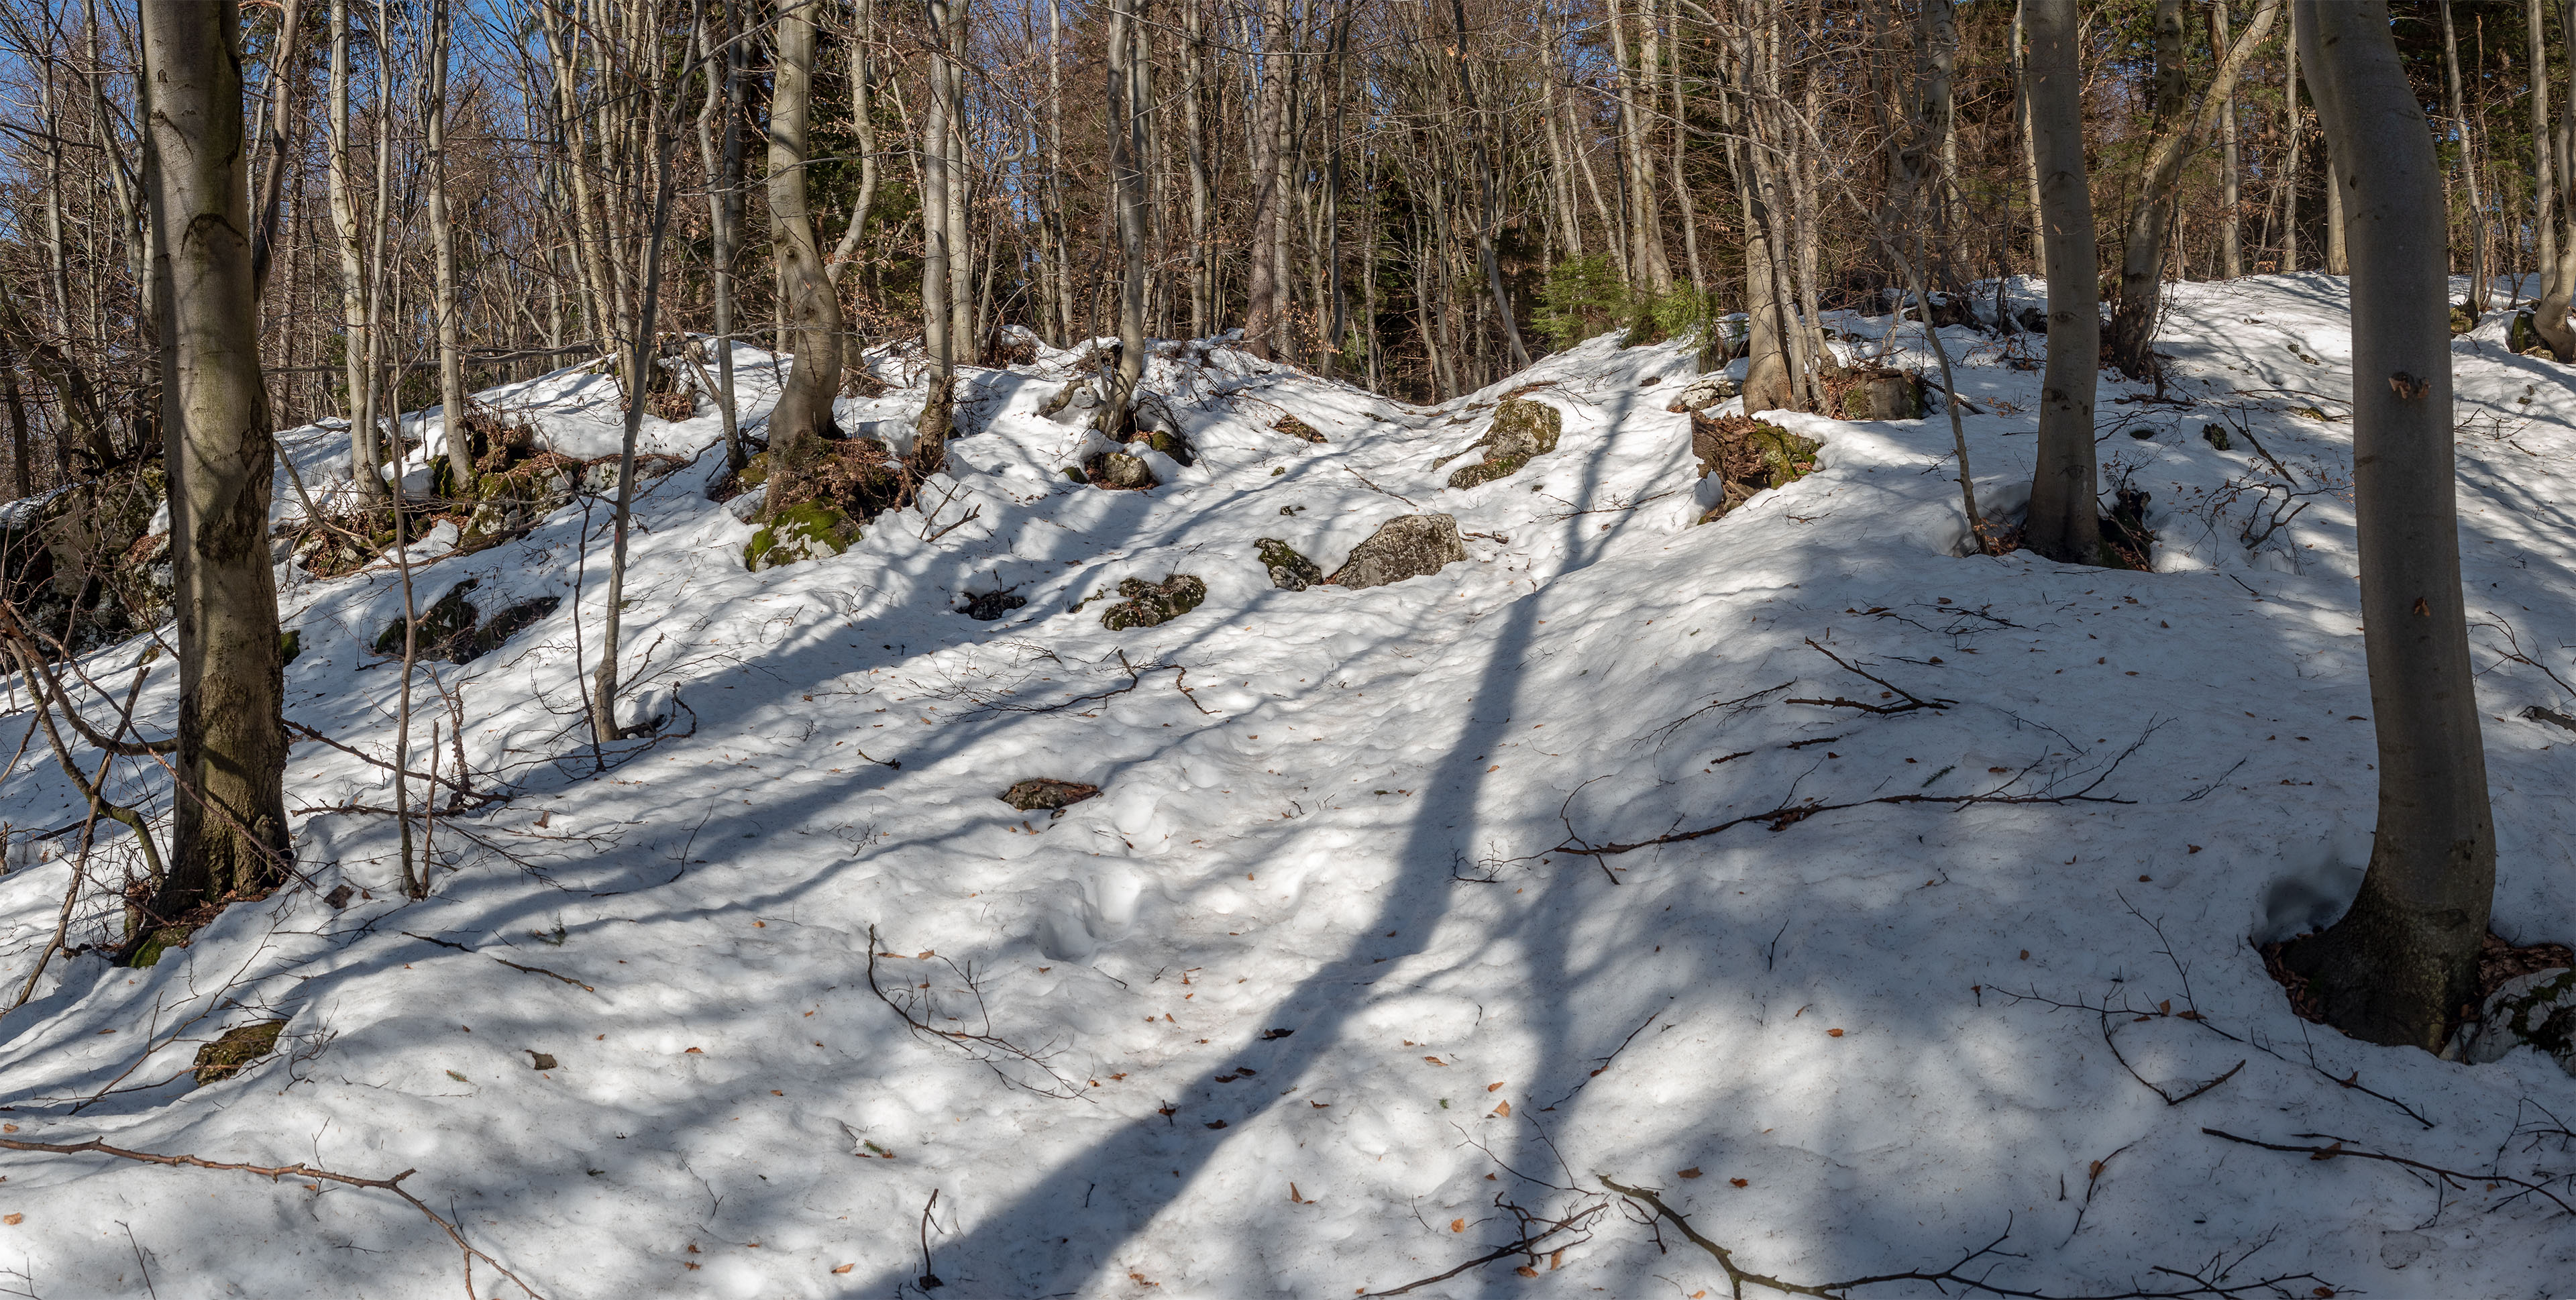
{"type": "Point", "coordinates": [804, 531]}
{"type": "Point", "coordinates": [235, 1050]}
{"type": "Point", "coordinates": [1289, 571]}
{"type": "Point", "coordinates": [990, 605]}
{"type": "Point", "coordinates": [2535, 1010]}
{"type": "Point", "coordinates": [2463, 318]}
{"type": "Point", "coordinates": [1748, 456]}
{"type": "Point", "coordinates": [1046, 794]}
{"type": "Point", "coordinates": [1407, 546]}
{"type": "Point", "coordinates": [158, 943]}
{"type": "Point", "coordinates": [2216, 436]}
{"type": "Point", "coordinates": [1521, 429]}
{"type": "Point", "coordinates": [290, 645]}
{"type": "Point", "coordinates": [1149, 604]}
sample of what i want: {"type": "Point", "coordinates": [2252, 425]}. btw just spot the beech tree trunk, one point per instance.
{"type": "Point", "coordinates": [2133, 320]}
{"type": "Point", "coordinates": [1261, 313]}
{"type": "Point", "coordinates": [230, 810]}
{"type": "Point", "coordinates": [802, 420]}
{"type": "Point", "coordinates": [1130, 101]}
{"type": "Point", "coordinates": [938, 337]}
{"type": "Point", "coordinates": [2231, 224]}
{"type": "Point", "coordinates": [2403, 960]}
{"type": "Point", "coordinates": [364, 462]}
{"type": "Point", "coordinates": [2065, 522]}
{"type": "Point", "coordinates": [451, 363]}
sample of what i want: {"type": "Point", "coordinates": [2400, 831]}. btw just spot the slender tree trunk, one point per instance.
{"type": "Point", "coordinates": [724, 208]}
{"type": "Point", "coordinates": [1130, 101]}
{"type": "Point", "coordinates": [2557, 255]}
{"type": "Point", "coordinates": [2468, 162]}
{"type": "Point", "coordinates": [863, 126]}
{"type": "Point", "coordinates": [2065, 516]}
{"type": "Point", "coordinates": [2404, 959]}
{"type": "Point", "coordinates": [938, 340]}
{"type": "Point", "coordinates": [355, 297]}
{"type": "Point", "coordinates": [230, 839]}
{"type": "Point", "coordinates": [1262, 316]}
{"type": "Point", "coordinates": [1489, 215]}
{"type": "Point", "coordinates": [451, 361]}
{"type": "Point", "coordinates": [1202, 239]}
{"type": "Point", "coordinates": [802, 420]}
{"type": "Point", "coordinates": [2290, 173]}
{"type": "Point", "coordinates": [2231, 253]}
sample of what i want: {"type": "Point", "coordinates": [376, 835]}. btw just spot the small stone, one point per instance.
{"type": "Point", "coordinates": [1703, 392]}
{"type": "Point", "coordinates": [1046, 794]}
{"type": "Point", "coordinates": [339, 897]}
{"type": "Point", "coordinates": [1407, 546]}
{"type": "Point", "coordinates": [2216, 436]}
{"type": "Point", "coordinates": [542, 1061]}
{"type": "Point", "coordinates": [1296, 428]}
{"type": "Point", "coordinates": [1884, 395]}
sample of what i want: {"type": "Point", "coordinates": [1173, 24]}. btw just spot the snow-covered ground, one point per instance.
{"type": "Point", "coordinates": [1315, 999]}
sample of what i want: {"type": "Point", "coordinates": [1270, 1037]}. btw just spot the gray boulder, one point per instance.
{"type": "Point", "coordinates": [2534, 1010]}
{"type": "Point", "coordinates": [1407, 546]}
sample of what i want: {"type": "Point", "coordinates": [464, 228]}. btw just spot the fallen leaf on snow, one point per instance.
{"type": "Point", "coordinates": [1692, 1172]}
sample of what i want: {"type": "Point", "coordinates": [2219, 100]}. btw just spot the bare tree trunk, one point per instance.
{"type": "Point", "coordinates": [640, 348]}
{"type": "Point", "coordinates": [1261, 313]}
{"type": "Point", "coordinates": [2133, 320]}
{"type": "Point", "coordinates": [938, 340]}
{"type": "Point", "coordinates": [863, 125]}
{"type": "Point", "coordinates": [1202, 239]}
{"type": "Point", "coordinates": [230, 839]}
{"type": "Point", "coordinates": [1130, 102]}
{"type": "Point", "coordinates": [2289, 187]}
{"type": "Point", "coordinates": [451, 361]}
{"type": "Point", "coordinates": [2404, 958]}
{"type": "Point", "coordinates": [2468, 164]}
{"type": "Point", "coordinates": [355, 296]}
{"type": "Point", "coordinates": [2557, 257]}
{"type": "Point", "coordinates": [963, 337]}
{"type": "Point", "coordinates": [724, 208]}
{"type": "Point", "coordinates": [2231, 253]}
{"type": "Point", "coordinates": [2064, 523]}
{"type": "Point", "coordinates": [1489, 215]}
{"type": "Point", "coordinates": [802, 420]}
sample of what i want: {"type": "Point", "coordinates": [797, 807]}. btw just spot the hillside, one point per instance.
{"type": "Point", "coordinates": [1357, 968]}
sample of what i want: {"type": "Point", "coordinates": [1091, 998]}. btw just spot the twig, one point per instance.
{"type": "Point", "coordinates": [1912, 701]}
{"type": "Point", "coordinates": [981, 1045]}
{"type": "Point", "coordinates": [1577, 1221]}
{"type": "Point", "coordinates": [274, 1172]}
{"type": "Point", "coordinates": [2452, 1178]}
{"type": "Point", "coordinates": [2212, 1287]}
{"type": "Point", "coordinates": [1382, 491]}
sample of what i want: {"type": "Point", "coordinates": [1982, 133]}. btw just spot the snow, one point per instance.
{"type": "Point", "coordinates": [1340, 814]}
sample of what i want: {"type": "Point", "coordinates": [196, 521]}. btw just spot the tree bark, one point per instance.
{"type": "Point", "coordinates": [451, 360]}
{"type": "Point", "coordinates": [802, 420]}
{"type": "Point", "coordinates": [230, 810]}
{"type": "Point", "coordinates": [365, 465]}
{"type": "Point", "coordinates": [2403, 960]}
{"type": "Point", "coordinates": [2231, 252]}
{"type": "Point", "coordinates": [2065, 522]}
{"type": "Point", "coordinates": [1261, 313]}
{"type": "Point", "coordinates": [2468, 163]}
{"type": "Point", "coordinates": [1130, 100]}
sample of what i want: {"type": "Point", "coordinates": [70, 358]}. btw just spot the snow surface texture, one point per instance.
{"type": "Point", "coordinates": [1309, 994]}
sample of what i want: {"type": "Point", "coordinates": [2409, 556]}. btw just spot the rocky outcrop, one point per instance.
{"type": "Point", "coordinates": [1882, 395]}
{"type": "Point", "coordinates": [1407, 546]}
{"type": "Point", "coordinates": [1119, 471]}
{"type": "Point", "coordinates": [1747, 456]}
{"type": "Point", "coordinates": [1046, 794]}
{"type": "Point", "coordinates": [2536, 1010]}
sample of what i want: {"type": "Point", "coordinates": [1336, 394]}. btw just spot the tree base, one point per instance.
{"type": "Point", "coordinates": [2387, 978]}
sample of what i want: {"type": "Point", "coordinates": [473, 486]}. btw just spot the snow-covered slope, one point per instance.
{"type": "Point", "coordinates": [1317, 997]}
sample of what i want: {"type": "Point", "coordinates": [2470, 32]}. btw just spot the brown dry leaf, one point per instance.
{"type": "Point", "coordinates": [1435, 1060]}
{"type": "Point", "coordinates": [1556, 1259]}
{"type": "Point", "coordinates": [1692, 1172]}
{"type": "Point", "coordinates": [13, 1220]}
{"type": "Point", "coordinates": [1833, 1033]}
{"type": "Point", "coordinates": [846, 1267]}
{"type": "Point", "coordinates": [1526, 1271]}
{"type": "Point", "coordinates": [1294, 1198]}
{"type": "Point", "coordinates": [1503, 1111]}
{"type": "Point", "coordinates": [2094, 1173]}
{"type": "Point", "coordinates": [693, 1248]}
{"type": "Point", "coordinates": [1739, 1182]}
{"type": "Point", "coordinates": [2328, 1154]}
{"type": "Point", "coordinates": [1492, 1086]}
{"type": "Point", "coordinates": [694, 1051]}
{"type": "Point", "coordinates": [1457, 1225]}
{"type": "Point", "coordinates": [8, 1128]}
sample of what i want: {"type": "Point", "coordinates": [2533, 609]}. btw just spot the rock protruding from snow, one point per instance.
{"type": "Point", "coordinates": [1047, 794]}
{"type": "Point", "coordinates": [1149, 604]}
{"type": "Point", "coordinates": [1704, 392]}
{"type": "Point", "coordinates": [1407, 546]}
{"type": "Point", "coordinates": [2534, 1010]}
{"type": "Point", "coordinates": [1883, 395]}
{"type": "Point", "coordinates": [1521, 429]}
{"type": "Point", "coordinates": [1289, 571]}
{"type": "Point", "coordinates": [1121, 471]}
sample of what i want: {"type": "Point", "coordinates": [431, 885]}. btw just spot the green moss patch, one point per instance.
{"type": "Point", "coordinates": [1521, 429]}
{"type": "Point", "coordinates": [803, 531]}
{"type": "Point", "coordinates": [1289, 571]}
{"type": "Point", "coordinates": [239, 1046]}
